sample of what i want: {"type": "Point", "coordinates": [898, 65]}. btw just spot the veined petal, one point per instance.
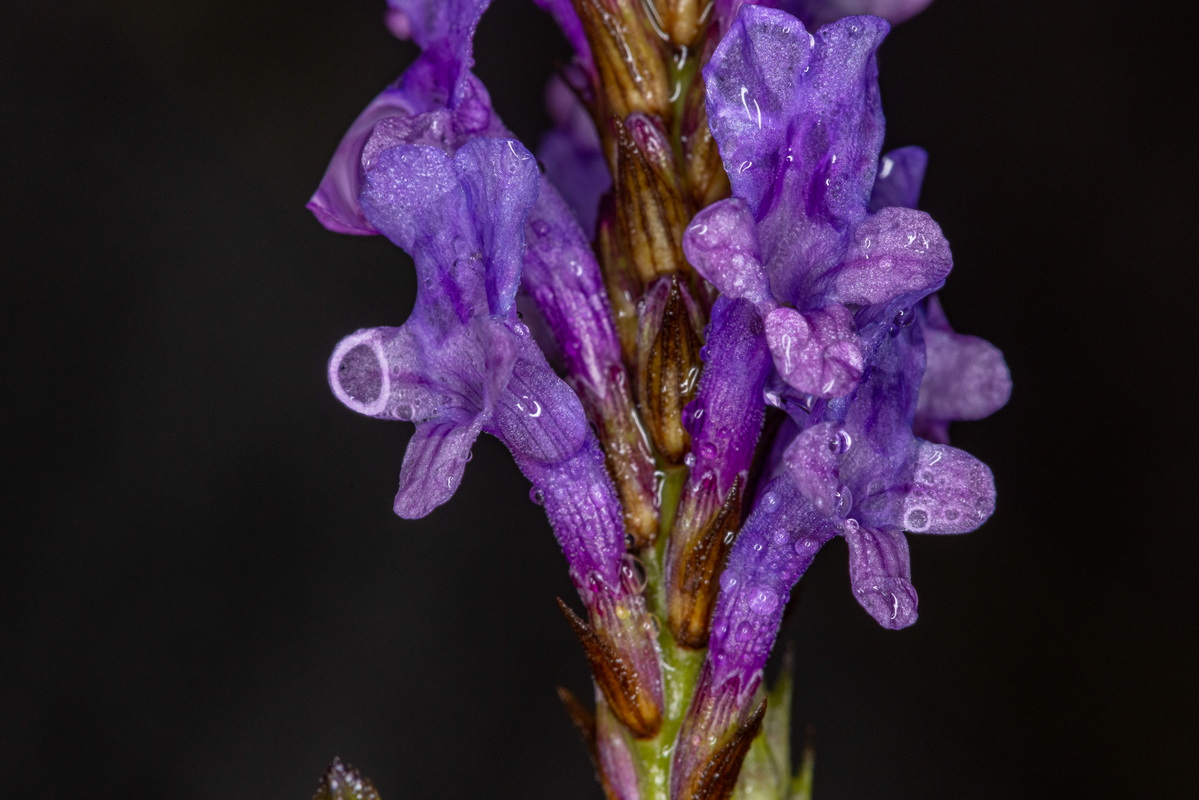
{"type": "Point", "coordinates": [461, 219]}
{"type": "Point", "coordinates": [897, 256]}
{"type": "Point", "coordinates": [539, 416]}
{"type": "Point", "coordinates": [816, 352]}
{"type": "Point", "coordinates": [900, 176]}
{"type": "Point", "coordinates": [501, 181]}
{"type": "Point", "coordinates": [433, 464]}
{"type": "Point", "coordinates": [880, 571]}
{"type": "Point", "coordinates": [722, 244]}
{"type": "Point", "coordinates": [951, 491]}
{"type": "Point", "coordinates": [726, 416]}
{"type": "Point", "coordinates": [433, 24]}
{"type": "Point", "coordinates": [335, 202]}
{"type": "Point", "coordinates": [754, 93]}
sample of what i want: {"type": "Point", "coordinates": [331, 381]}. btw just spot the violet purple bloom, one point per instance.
{"type": "Point", "coordinates": [809, 289]}
{"type": "Point", "coordinates": [799, 125]}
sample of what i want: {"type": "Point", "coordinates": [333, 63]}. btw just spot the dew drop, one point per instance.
{"type": "Point", "coordinates": [841, 442]}
{"type": "Point", "coordinates": [763, 601]}
{"type": "Point", "coordinates": [728, 581]}
{"type": "Point", "coordinates": [903, 317]}
{"type": "Point", "coordinates": [844, 500]}
{"type": "Point", "coordinates": [769, 499]}
{"type": "Point", "coordinates": [707, 450]}
{"type": "Point", "coordinates": [632, 572]}
{"type": "Point", "coordinates": [689, 460]}
{"type": "Point", "coordinates": [404, 412]}
{"type": "Point", "coordinates": [744, 631]}
{"type": "Point", "coordinates": [729, 536]}
{"type": "Point", "coordinates": [780, 537]}
{"type": "Point", "coordinates": [917, 519]}
{"type": "Point", "coordinates": [537, 496]}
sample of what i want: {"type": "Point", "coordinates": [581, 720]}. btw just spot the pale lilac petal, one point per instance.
{"type": "Point", "coordinates": [413, 373]}
{"type": "Point", "coordinates": [815, 352]}
{"type": "Point", "coordinates": [880, 571]}
{"type": "Point", "coordinates": [900, 176]}
{"type": "Point", "coordinates": [433, 465]}
{"type": "Point", "coordinates": [898, 256]}
{"type": "Point", "coordinates": [966, 378]}
{"type": "Point", "coordinates": [335, 202]}
{"type": "Point", "coordinates": [722, 244]}
{"type": "Point", "coordinates": [951, 491]}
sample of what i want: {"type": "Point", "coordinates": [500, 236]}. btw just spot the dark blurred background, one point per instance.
{"type": "Point", "coordinates": [206, 594]}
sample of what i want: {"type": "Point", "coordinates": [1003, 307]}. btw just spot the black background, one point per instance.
{"type": "Point", "coordinates": [205, 593]}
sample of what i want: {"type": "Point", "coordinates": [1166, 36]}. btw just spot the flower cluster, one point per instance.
{"type": "Point", "coordinates": [738, 297]}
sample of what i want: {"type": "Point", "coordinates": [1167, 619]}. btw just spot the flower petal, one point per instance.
{"type": "Point", "coordinates": [433, 465]}
{"type": "Point", "coordinates": [461, 219]}
{"type": "Point", "coordinates": [900, 175]}
{"type": "Point", "coordinates": [571, 154]}
{"type": "Point", "coordinates": [898, 256]}
{"type": "Point", "coordinates": [722, 244]}
{"type": "Point", "coordinates": [753, 95]}
{"type": "Point", "coordinates": [966, 377]}
{"type": "Point", "coordinates": [813, 461]}
{"type": "Point", "coordinates": [951, 491]}
{"type": "Point", "coordinates": [880, 570]}
{"type": "Point", "coordinates": [335, 202]}
{"type": "Point", "coordinates": [539, 416]}
{"type": "Point", "coordinates": [816, 352]}
{"type": "Point", "coordinates": [501, 181]}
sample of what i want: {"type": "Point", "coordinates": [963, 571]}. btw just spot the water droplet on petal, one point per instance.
{"type": "Point", "coordinates": [537, 496]}
{"type": "Point", "coordinates": [763, 600]}
{"type": "Point", "coordinates": [744, 631]}
{"type": "Point", "coordinates": [632, 572]}
{"type": "Point", "coordinates": [916, 520]}
{"type": "Point", "coordinates": [689, 460]}
{"type": "Point", "coordinates": [404, 412]}
{"type": "Point", "coordinates": [728, 581]}
{"type": "Point", "coordinates": [841, 442]}
{"type": "Point", "coordinates": [844, 501]}
{"type": "Point", "coordinates": [769, 499]}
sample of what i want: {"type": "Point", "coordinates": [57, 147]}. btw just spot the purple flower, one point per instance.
{"type": "Point", "coordinates": [799, 126]}
{"type": "Point", "coordinates": [430, 166]}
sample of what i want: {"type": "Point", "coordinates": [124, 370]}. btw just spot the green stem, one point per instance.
{"type": "Point", "coordinates": [680, 667]}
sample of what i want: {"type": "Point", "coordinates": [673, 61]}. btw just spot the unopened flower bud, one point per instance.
{"type": "Point", "coordinates": [628, 56]}
{"type": "Point", "coordinates": [651, 212]}
{"type": "Point", "coordinates": [668, 363]}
